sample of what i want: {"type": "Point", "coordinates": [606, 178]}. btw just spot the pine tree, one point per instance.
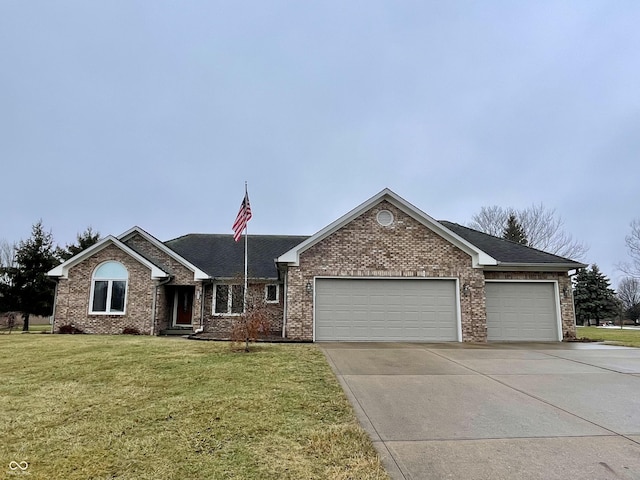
{"type": "Point", "coordinates": [83, 241]}
{"type": "Point", "coordinates": [30, 289]}
{"type": "Point", "coordinates": [593, 299]}
{"type": "Point", "coordinates": [513, 231]}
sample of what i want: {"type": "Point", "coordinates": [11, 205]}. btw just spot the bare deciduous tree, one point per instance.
{"type": "Point", "coordinates": [7, 262]}
{"type": "Point", "coordinates": [629, 292]}
{"type": "Point", "coordinates": [491, 220]}
{"type": "Point", "coordinates": [633, 248]}
{"type": "Point", "coordinates": [7, 254]}
{"type": "Point", "coordinates": [543, 229]}
{"type": "Point", "coordinates": [629, 295]}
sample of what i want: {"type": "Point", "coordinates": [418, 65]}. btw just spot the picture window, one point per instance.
{"type": "Point", "coordinates": [109, 289]}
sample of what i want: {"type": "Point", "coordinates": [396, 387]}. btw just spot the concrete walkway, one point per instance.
{"type": "Point", "coordinates": [497, 411]}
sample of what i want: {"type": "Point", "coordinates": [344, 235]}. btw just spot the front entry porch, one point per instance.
{"type": "Point", "coordinates": [180, 307]}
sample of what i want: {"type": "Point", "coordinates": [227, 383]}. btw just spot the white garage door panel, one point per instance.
{"type": "Point", "coordinates": [385, 310]}
{"type": "Point", "coordinates": [521, 311]}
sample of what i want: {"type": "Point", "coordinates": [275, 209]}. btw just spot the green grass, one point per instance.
{"type": "Point", "coordinates": [40, 328]}
{"type": "Point", "coordinates": [32, 329]}
{"type": "Point", "coordinates": [616, 336]}
{"type": "Point", "coordinates": [104, 407]}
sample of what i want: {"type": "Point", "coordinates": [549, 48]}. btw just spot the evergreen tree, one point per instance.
{"type": "Point", "coordinates": [513, 231]}
{"type": "Point", "coordinates": [30, 290]}
{"type": "Point", "coordinates": [83, 241]}
{"type": "Point", "coordinates": [594, 300]}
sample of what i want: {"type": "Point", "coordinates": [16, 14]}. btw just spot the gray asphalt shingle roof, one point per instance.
{"type": "Point", "coordinates": [221, 257]}
{"type": "Point", "coordinates": [506, 251]}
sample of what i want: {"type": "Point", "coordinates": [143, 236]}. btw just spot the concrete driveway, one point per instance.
{"type": "Point", "coordinates": [497, 411]}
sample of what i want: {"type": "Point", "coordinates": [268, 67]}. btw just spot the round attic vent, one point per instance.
{"type": "Point", "coordinates": [385, 218]}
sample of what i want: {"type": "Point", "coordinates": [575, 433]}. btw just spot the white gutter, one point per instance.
{"type": "Point", "coordinates": [539, 267]}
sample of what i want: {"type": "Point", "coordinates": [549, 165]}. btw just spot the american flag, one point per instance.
{"type": "Point", "coordinates": [244, 215]}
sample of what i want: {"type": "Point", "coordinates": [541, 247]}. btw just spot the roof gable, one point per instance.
{"type": "Point", "coordinates": [198, 274]}
{"type": "Point", "coordinates": [479, 257]}
{"type": "Point", "coordinates": [62, 270]}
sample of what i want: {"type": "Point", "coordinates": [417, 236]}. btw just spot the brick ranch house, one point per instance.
{"type": "Point", "coordinates": [385, 271]}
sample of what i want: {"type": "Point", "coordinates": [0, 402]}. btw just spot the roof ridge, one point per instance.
{"type": "Point", "coordinates": [260, 235]}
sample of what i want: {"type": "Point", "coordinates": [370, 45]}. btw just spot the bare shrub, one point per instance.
{"type": "Point", "coordinates": [254, 323]}
{"type": "Point", "coordinates": [9, 322]}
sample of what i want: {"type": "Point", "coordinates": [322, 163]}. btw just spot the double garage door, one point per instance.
{"type": "Point", "coordinates": [386, 310]}
{"type": "Point", "coordinates": [426, 310]}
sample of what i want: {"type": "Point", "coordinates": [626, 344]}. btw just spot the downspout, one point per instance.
{"type": "Point", "coordinates": [284, 309]}
{"type": "Point", "coordinates": [55, 304]}
{"type": "Point", "coordinates": [573, 303]}
{"type": "Point", "coordinates": [202, 294]}
{"type": "Point", "coordinates": [155, 303]}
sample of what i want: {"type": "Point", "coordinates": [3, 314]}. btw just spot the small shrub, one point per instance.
{"type": "Point", "coordinates": [69, 329]}
{"type": "Point", "coordinates": [131, 331]}
{"type": "Point", "coordinates": [254, 323]}
{"type": "Point", "coordinates": [9, 322]}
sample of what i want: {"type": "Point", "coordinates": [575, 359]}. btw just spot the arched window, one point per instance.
{"type": "Point", "coordinates": [109, 288]}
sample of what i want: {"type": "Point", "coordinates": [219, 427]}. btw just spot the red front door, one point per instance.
{"type": "Point", "coordinates": [183, 306]}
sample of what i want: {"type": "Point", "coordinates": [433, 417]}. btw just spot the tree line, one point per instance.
{"type": "Point", "coordinates": [24, 285]}
{"type": "Point", "coordinates": [594, 299]}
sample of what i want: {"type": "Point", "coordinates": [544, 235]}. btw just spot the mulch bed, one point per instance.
{"type": "Point", "coordinates": [221, 337]}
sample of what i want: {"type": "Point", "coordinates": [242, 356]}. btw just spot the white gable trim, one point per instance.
{"type": "Point", "coordinates": [62, 270]}
{"type": "Point", "coordinates": [197, 273]}
{"type": "Point", "coordinates": [479, 257]}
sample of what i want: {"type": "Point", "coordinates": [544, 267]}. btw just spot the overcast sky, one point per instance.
{"type": "Point", "coordinates": [154, 113]}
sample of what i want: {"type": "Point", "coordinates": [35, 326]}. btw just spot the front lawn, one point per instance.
{"type": "Point", "coordinates": [626, 337]}
{"type": "Point", "coordinates": [80, 407]}
{"type": "Point", "coordinates": [32, 329]}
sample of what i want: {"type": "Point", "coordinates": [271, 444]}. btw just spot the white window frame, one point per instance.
{"type": "Point", "coordinates": [266, 293]}
{"type": "Point", "coordinates": [109, 281]}
{"type": "Point", "coordinates": [229, 299]}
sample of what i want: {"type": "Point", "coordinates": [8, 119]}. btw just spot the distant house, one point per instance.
{"type": "Point", "coordinates": [385, 271]}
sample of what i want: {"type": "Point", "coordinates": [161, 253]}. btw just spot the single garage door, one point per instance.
{"type": "Point", "coordinates": [385, 310]}
{"type": "Point", "coordinates": [521, 311]}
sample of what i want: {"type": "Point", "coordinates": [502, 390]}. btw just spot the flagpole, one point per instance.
{"type": "Point", "coordinates": [246, 231]}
